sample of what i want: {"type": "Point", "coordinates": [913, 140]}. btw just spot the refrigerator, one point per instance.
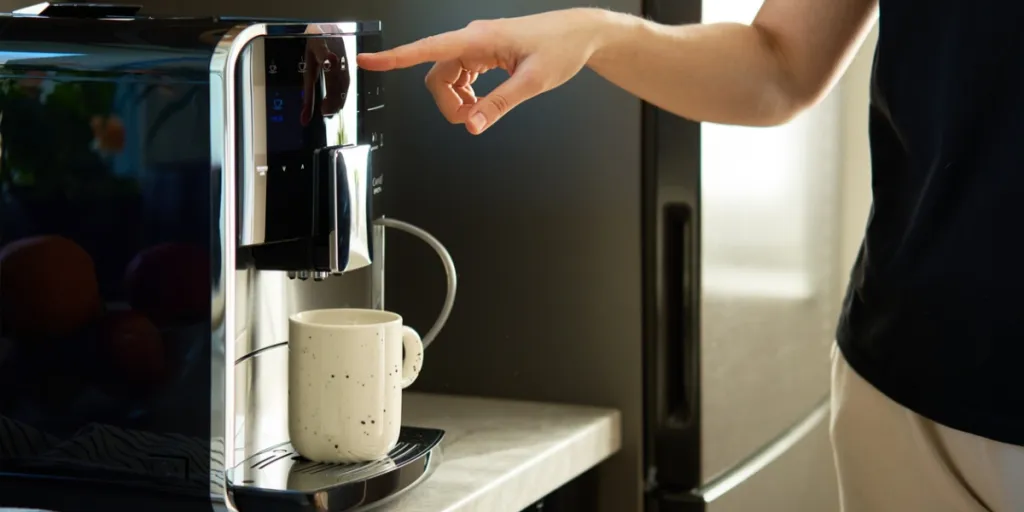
{"type": "Point", "coordinates": [613, 254]}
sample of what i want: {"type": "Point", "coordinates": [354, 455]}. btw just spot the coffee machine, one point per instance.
{"type": "Point", "coordinates": [171, 190]}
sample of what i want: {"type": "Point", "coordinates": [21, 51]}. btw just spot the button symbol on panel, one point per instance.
{"type": "Point", "coordinates": [302, 66]}
{"type": "Point", "coordinates": [327, 66]}
{"type": "Point", "coordinates": [284, 168]}
{"type": "Point", "coordinates": [272, 68]}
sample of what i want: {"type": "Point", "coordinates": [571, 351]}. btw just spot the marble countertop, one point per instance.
{"type": "Point", "coordinates": [502, 456]}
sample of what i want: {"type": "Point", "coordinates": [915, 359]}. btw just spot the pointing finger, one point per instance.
{"type": "Point", "coordinates": [436, 48]}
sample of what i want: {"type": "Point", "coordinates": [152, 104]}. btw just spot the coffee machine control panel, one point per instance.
{"type": "Point", "coordinates": [310, 126]}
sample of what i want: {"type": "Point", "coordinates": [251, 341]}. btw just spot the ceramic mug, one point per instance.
{"type": "Point", "coordinates": [346, 375]}
{"type": "Point", "coordinates": [346, 372]}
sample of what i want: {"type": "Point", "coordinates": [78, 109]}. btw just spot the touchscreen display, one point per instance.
{"type": "Point", "coordinates": [286, 92]}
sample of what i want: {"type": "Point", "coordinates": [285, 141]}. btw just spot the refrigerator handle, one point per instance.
{"type": "Point", "coordinates": [679, 361]}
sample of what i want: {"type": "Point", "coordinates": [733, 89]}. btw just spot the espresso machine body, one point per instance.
{"type": "Point", "coordinates": [170, 191]}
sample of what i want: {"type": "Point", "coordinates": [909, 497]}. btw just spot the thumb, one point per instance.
{"type": "Point", "coordinates": [521, 86]}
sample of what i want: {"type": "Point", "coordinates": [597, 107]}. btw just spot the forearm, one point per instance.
{"type": "Point", "coordinates": [726, 73]}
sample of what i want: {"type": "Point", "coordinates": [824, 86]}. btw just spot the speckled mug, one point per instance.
{"type": "Point", "coordinates": [346, 374]}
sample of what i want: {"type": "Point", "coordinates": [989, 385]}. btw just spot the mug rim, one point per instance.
{"type": "Point", "coordinates": [383, 316]}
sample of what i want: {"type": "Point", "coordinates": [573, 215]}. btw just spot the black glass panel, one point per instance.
{"type": "Point", "coordinates": [105, 272]}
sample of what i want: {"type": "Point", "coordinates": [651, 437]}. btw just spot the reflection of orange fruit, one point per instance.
{"type": "Point", "coordinates": [48, 287]}
{"type": "Point", "coordinates": [170, 283]}
{"type": "Point", "coordinates": [132, 348]}
{"type": "Point", "coordinates": [108, 133]}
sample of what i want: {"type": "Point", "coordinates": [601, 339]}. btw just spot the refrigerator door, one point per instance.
{"type": "Point", "coordinates": [745, 284]}
{"type": "Point", "coordinates": [787, 475]}
{"type": "Point", "coordinates": [771, 282]}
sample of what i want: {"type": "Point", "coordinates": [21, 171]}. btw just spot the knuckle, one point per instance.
{"type": "Point", "coordinates": [479, 25]}
{"type": "Point", "coordinates": [532, 81]}
{"type": "Point", "coordinates": [431, 75]}
{"type": "Point", "coordinates": [500, 103]}
{"type": "Point", "coordinates": [484, 29]}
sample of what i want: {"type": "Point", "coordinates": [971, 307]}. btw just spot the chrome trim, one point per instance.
{"type": "Point", "coordinates": [223, 153]}
{"type": "Point", "coordinates": [729, 480]}
{"type": "Point", "coordinates": [32, 10]}
{"type": "Point", "coordinates": [377, 268]}
{"type": "Point", "coordinates": [252, 176]}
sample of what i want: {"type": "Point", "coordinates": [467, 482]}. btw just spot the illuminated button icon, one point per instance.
{"type": "Point", "coordinates": [284, 168]}
{"type": "Point", "coordinates": [302, 66]}
{"type": "Point", "coordinates": [302, 167]}
{"type": "Point", "coordinates": [272, 69]}
{"type": "Point", "coordinates": [327, 66]}
{"type": "Point", "coordinates": [278, 104]}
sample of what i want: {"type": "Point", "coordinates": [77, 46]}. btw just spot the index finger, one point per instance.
{"type": "Point", "coordinates": [446, 46]}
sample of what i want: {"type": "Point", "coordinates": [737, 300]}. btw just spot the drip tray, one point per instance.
{"type": "Point", "coordinates": [279, 480]}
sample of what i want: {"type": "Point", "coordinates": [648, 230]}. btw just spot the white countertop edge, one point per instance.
{"type": "Point", "coordinates": [503, 456]}
{"type": "Point", "coordinates": [550, 470]}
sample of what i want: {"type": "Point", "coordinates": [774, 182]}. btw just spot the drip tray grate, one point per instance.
{"type": "Point", "coordinates": [279, 480]}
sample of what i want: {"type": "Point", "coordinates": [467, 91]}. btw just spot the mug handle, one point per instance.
{"type": "Point", "coordinates": [449, 270]}
{"type": "Point", "coordinates": [413, 361]}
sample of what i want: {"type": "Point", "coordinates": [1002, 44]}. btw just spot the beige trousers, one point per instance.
{"type": "Point", "coordinates": [890, 459]}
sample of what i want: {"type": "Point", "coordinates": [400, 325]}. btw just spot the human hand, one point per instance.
{"type": "Point", "coordinates": [540, 52]}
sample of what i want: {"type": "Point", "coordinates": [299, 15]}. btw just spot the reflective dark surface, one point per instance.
{"type": "Point", "coordinates": [111, 233]}
{"type": "Point", "coordinates": [105, 259]}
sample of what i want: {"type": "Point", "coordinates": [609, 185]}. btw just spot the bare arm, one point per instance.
{"type": "Point", "coordinates": [758, 74]}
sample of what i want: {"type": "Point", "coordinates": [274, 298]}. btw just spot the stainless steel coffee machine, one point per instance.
{"type": "Point", "coordinates": [171, 190]}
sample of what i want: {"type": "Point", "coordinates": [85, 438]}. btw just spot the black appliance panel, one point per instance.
{"type": "Point", "coordinates": [107, 259]}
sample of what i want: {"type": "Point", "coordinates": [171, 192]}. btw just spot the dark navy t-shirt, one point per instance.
{"type": "Point", "coordinates": [934, 315]}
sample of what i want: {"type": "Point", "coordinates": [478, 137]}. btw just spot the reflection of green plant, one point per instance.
{"type": "Point", "coordinates": [47, 137]}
